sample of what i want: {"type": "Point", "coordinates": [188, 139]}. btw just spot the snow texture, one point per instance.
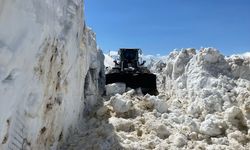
{"type": "Point", "coordinates": [204, 103]}
{"type": "Point", "coordinates": [51, 72]}
{"type": "Point", "coordinates": [114, 88]}
{"type": "Point", "coordinates": [108, 61]}
{"type": "Point", "coordinates": [52, 80]}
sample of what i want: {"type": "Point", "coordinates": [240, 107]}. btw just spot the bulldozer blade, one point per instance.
{"type": "Point", "coordinates": [145, 81]}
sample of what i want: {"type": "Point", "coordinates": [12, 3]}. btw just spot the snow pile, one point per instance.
{"type": "Point", "coordinates": [151, 60]}
{"type": "Point", "coordinates": [108, 61]}
{"type": "Point", "coordinates": [202, 104]}
{"type": "Point", "coordinates": [51, 80]}
{"type": "Point", "coordinates": [120, 104]}
{"type": "Point", "coordinates": [240, 66]}
{"type": "Point", "coordinates": [50, 72]}
{"type": "Point", "coordinates": [247, 54]}
{"type": "Point", "coordinates": [114, 88]}
{"type": "Point", "coordinates": [244, 55]}
{"type": "Point", "coordinates": [210, 90]}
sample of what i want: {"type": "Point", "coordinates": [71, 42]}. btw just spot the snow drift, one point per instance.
{"type": "Point", "coordinates": [50, 71]}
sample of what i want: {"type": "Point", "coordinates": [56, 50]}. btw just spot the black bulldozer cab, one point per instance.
{"type": "Point", "coordinates": [130, 70]}
{"type": "Point", "coordinates": [128, 58]}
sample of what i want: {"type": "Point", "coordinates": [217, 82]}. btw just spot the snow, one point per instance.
{"type": "Point", "coordinates": [243, 55]}
{"type": "Point", "coordinates": [120, 104]}
{"type": "Point", "coordinates": [50, 71]}
{"type": "Point", "coordinates": [52, 89]}
{"type": "Point", "coordinates": [212, 126]}
{"type": "Point", "coordinates": [179, 140]}
{"type": "Point", "coordinates": [159, 104]}
{"type": "Point", "coordinates": [247, 54]}
{"type": "Point", "coordinates": [108, 61]}
{"type": "Point", "coordinates": [114, 88]}
{"type": "Point", "coordinates": [203, 104]}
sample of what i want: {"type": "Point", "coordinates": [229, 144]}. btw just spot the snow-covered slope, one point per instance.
{"type": "Point", "coordinates": [50, 70]}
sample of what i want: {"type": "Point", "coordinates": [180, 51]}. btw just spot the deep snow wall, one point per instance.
{"type": "Point", "coordinates": [50, 69]}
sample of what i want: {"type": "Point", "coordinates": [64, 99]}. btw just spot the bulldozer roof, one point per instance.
{"type": "Point", "coordinates": [129, 48]}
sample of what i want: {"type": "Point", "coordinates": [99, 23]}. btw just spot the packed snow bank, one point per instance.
{"type": "Point", "coordinates": [50, 71]}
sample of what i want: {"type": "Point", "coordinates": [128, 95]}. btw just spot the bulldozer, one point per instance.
{"type": "Point", "coordinates": [129, 69]}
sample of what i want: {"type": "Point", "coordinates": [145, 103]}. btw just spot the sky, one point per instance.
{"type": "Point", "coordinates": [159, 26]}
